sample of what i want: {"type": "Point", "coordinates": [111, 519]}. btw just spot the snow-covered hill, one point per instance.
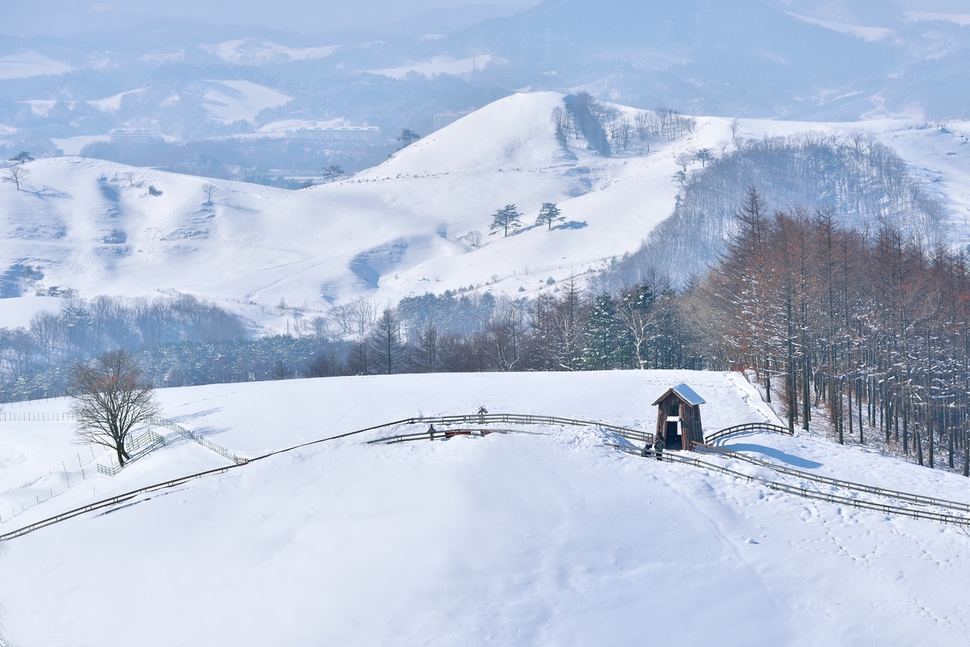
{"type": "Point", "coordinates": [548, 539]}
{"type": "Point", "coordinates": [403, 227]}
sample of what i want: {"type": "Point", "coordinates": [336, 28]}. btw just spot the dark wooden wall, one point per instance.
{"type": "Point", "coordinates": [691, 428]}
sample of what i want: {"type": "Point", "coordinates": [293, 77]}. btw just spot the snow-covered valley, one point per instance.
{"type": "Point", "coordinates": [515, 539]}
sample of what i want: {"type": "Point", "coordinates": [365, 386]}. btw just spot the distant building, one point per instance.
{"type": "Point", "coordinates": [340, 133]}
{"type": "Point", "coordinates": [135, 136]}
{"type": "Point", "coordinates": [448, 117]}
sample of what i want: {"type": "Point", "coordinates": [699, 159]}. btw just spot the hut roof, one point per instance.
{"type": "Point", "coordinates": [685, 393]}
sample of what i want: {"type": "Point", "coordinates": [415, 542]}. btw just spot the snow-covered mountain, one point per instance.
{"type": "Point", "coordinates": [797, 59]}
{"type": "Point", "coordinates": [518, 539]}
{"type": "Point", "coordinates": [404, 227]}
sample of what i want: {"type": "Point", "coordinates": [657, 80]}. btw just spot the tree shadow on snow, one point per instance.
{"type": "Point", "coordinates": [774, 453]}
{"type": "Point", "coordinates": [572, 224]}
{"type": "Point", "coordinates": [49, 193]}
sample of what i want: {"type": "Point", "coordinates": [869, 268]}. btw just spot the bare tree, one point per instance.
{"type": "Point", "coordinates": [736, 133]}
{"type": "Point", "coordinates": [642, 123]}
{"type": "Point", "coordinates": [111, 397]}
{"type": "Point", "coordinates": [684, 159]}
{"type": "Point", "coordinates": [321, 327]}
{"type": "Point", "coordinates": [16, 174]}
{"type": "Point", "coordinates": [474, 238]}
{"type": "Point", "coordinates": [621, 131]}
{"type": "Point", "coordinates": [208, 189]}
{"type": "Point", "coordinates": [363, 313]}
{"type": "Point", "coordinates": [386, 343]}
{"type": "Point", "coordinates": [47, 330]}
{"type": "Point", "coordinates": [561, 120]}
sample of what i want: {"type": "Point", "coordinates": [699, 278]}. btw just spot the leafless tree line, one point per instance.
{"type": "Point", "coordinates": [861, 181]}
{"type": "Point", "coordinates": [606, 129]}
{"type": "Point", "coordinates": [568, 328]}
{"type": "Point", "coordinates": [87, 328]}
{"type": "Point", "coordinates": [872, 325]}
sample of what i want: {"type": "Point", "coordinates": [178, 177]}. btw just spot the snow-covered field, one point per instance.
{"type": "Point", "coordinates": [405, 227]}
{"type": "Point", "coordinates": [550, 539]}
{"type": "Point", "coordinates": [438, 66]}
{"type": "Point", "coordinates": [231, 101]}
{"type": "Point", "coordinates": [27, 64]}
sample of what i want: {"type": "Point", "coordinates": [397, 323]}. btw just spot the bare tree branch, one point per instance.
{"type": "Point", "coordinates": [111, 397]}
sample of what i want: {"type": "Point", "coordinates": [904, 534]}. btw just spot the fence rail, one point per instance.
{"type": "Point", "coordinates": [138, 447]}
{"type": "Point", "coordinates": [848, 485]}
{"type": "Point", "coordinates": [197, 438]}
{"type": "Point", "coordinates": [37, 416]}
{"type": "Point", "coordinates": [630, 434]}
{"type": "Point", "coordinates": [749, 426]}
{"type": "Point", "coordinates": [107, 503]}
{"type": "Point", "coordinates": [439, 434]}
{"type": "Point", "coordinates": [912, 513]}
{"type": "Point", "coordinates": [526, 419]}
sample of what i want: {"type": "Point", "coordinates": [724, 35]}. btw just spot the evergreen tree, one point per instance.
{"type": "Point", "coordinates": [548, 214]}
{"type": "Point", "coordinates": [505, 219]}
{"type": "Point", "coordinates": [332, 172]}
{"type": "Point", "coordinates": [604, 337]}
{"type": "Point", "coordinates": [408, 136]}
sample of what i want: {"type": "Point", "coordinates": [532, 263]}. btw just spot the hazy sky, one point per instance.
{"type": "Point", "coordinates": [34, 16]}
{"type": "Point", "coordinates": [310, 16]}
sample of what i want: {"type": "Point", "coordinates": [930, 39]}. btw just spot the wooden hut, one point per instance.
{"type": "Point", "coordinates": [679, 418]}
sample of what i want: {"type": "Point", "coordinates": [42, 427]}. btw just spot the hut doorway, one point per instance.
{"type": "Point", "coordinates": [673, 438]}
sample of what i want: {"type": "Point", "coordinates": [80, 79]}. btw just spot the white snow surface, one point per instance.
{"type": "Point", "coordinates": [249, 51]}
{"type": "Point", "coordinates": [550, 539]}
{"type": "Point", "coordinates": [960, 19]}
{"type": "Point", "coordinates": [868, 34]}
{"type": "Point", "coordinates": [27, 64]}
{"type": "Point", "coordinates": [232, 101]}
{"type": "Point", "coordinates": [74, 145]}
{"type": "Point", "coordinates": [439, 65]}
{"type": "Point", "coordinates": [113, 103]}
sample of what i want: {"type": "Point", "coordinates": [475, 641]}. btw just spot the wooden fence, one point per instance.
{"type": "Point", "coordinates": [624, 432]}
{"type": "Point", "coordinates": [197, 438]}
{"type": "Point", "coordinates": [750, 426]}
{"type": "Point", "coordinates": [138, 447]}
{"type": "Point", "coordinates": [909, 497]}
{"type": "Point", "coordinates": [37, 416]}
{"type": "Point", "coordinates": [913, 513]}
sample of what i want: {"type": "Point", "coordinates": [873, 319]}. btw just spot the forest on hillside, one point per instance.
{"type": "Point", "coordinates": [861, 182]}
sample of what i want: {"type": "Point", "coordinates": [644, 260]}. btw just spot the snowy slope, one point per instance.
{"type": "Point", "coordinates": [93, 226]}
{"type": "Point", "coordinates": [507, 540]}
{"type": "Point", "coordinates": [397, 229]}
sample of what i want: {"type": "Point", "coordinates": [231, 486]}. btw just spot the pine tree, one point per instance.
{"type": "Point", "coordinates": [548, 214]}
{"type": "Point", "coordinates": [604, 338]}
{"type": "Point", "coordinates": [408, 137]}
{"type": "Point", "coordinates": [505, 219]}
{"type": "Point", "coordinates": [332, 172]}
